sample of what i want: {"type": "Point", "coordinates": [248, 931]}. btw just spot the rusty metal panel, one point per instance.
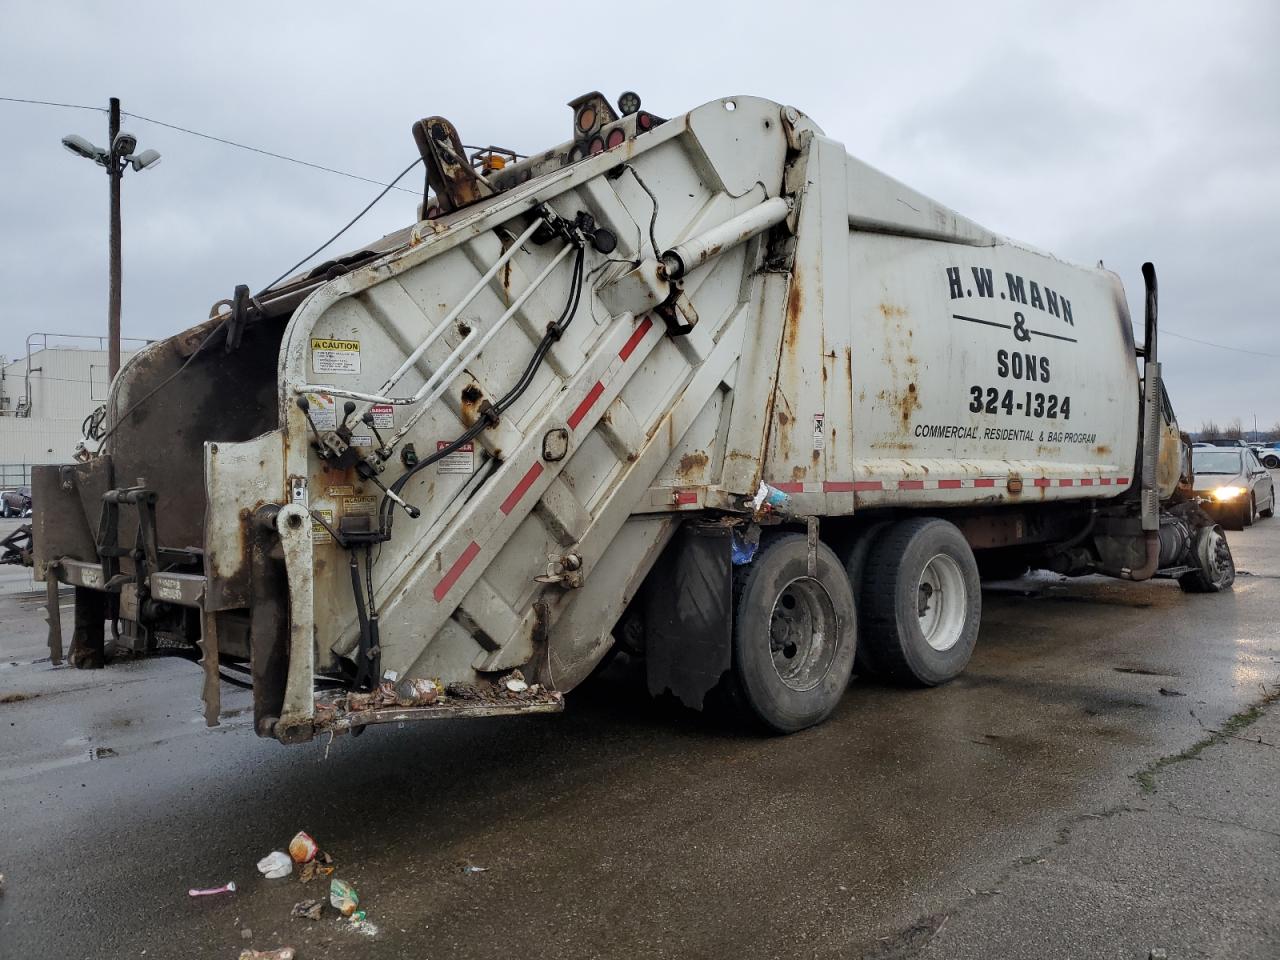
{"type": "Point", "coordinates": [971, 362]}
{"type": "Point", "coordinates": [240, 478]}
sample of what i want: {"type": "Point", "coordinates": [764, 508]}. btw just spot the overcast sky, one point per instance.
{"type": "Point", "coordinates": [1119, 132]}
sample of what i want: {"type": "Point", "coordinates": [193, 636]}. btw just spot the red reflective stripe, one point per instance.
{"type": "Point", "coordinates": [633, 341]}
{"type": "Point", "coordinates": [1086, 482]}
{"type": "Point", "coordinates": [576, 417]}
{"type": "Point", "coordinates": [789, 487]}
{"type": "Point", "coordinates": [1104, 481]}
{"type": "Point", "coordinates": [867, 485]}
{"type": "Point", "coordinates": [1123, 481]}
{"type": "Point", "coordinates": [910, 484]}
{"type": "Point", "coordinates": [837, 486]}
{"type": "Point", "coordinates": [684, 497]}
{"type": "Point", "coordinates": [459, 565]}
{"type": "Point", "coordinates": [950, 484]}
{"type": "Point", "coordinates": [1041, 481]}
{"type": "Point", "coordinates": [521, 488]}
{"type": "Point", "coordinates": [1066, 483]}
{"type": "Point", "coordinates": [985, 482]}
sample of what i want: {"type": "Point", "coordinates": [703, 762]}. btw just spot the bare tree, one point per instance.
{"type": "Point", "coordinates": [1235, 429]}
{"type": "Point", "coordinates": [1208, 428]}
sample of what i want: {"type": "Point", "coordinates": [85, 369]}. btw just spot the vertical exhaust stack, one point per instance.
{"type": "Point", "coordinates": [1150, 491]}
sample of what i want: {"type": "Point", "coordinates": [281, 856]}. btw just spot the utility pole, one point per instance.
{"type": "Point", "coordinates": [115, 158]}
{"type": "Point", "coordinates": [115, 171]}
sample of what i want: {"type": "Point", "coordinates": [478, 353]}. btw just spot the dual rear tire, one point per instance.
{"type": "Point", "coordinates": [796, 636]}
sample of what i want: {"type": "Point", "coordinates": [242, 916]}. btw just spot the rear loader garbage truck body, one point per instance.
{"type": "Point", "coordinates": [705, 387]}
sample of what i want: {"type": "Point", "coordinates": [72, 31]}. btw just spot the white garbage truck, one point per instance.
{"type": "Point", "coordinates": [704, 388]}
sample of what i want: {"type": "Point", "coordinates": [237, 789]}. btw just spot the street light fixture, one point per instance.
{"type": "Point", "coordinates": [116, 160]}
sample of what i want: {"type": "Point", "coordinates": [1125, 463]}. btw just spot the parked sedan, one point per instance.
{"type": "Point", "coordinates": [1269, 454]}
{"type": "Point", "coordinates": [1236, 485]}
{"type": "Point", "coordinates": [16, 502]}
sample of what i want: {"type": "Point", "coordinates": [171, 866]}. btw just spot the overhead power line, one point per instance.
{"type": "Point", "coordinates": [1220, 346]}
{"type": "Point", "coordinates": [209, 136]}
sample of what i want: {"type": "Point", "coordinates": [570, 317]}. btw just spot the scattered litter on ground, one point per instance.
{"type": "Point", "coordinates": [229, 887]}
{"type": "Point", "coordinates": [1158, 953]}
{"type": "Point", "coordinates": [343, 896]}
{"type": "Point", "coordinates": [1171, 693]}
{"type": "Point", "coordinates": [102, 753]}
{"type": "Point", "coordinates": [275, 865]}
{"type": "Point", "coordinates": [321, 866]}
{"type": "Point", "coordinates": [359, 924]}
{"type": "Point", "coordinates": [279, 953]}
{"type": "Point", "coordinates": [246, 933]}
{"type": "Point", "coordinates": [308, 909]}
{"type": "Point", "coordinates": [302, 848]}
{"type": "Point", "coordinates": [1, 883]}
{"type": "Point", "coordinates": [472, 868]}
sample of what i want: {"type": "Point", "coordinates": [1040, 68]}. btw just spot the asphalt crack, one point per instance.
{"type": "Point", "coordinates": [1230, 730]}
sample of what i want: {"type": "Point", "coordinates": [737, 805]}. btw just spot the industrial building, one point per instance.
{"type": "Point", "coordinates": [45, 396]}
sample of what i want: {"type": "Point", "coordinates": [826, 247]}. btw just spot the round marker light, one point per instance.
{"type": "Point", "coordinates": [586, 118]}
{"type": "Point", "coordinates": [644, 120]}
{"type": "Point", "coordinates": [616, 136]}
{"type": "Point", "coordinates": [629, 102]}
{"type": "Point", "coordinates": [595, 146]}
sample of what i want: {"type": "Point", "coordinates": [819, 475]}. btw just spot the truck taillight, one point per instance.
{"type": "Point", "coordinates": [616, 136]}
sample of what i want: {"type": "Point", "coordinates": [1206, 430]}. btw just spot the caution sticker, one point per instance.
{"type": "Point", "coordinates": [383, 415]}
{"type": "Point", "coordinates": [359, 506]}
{"type": "Point", "coordinates": [318, 533]}
{"type": "Point", "coordinates": [335, 356]}
{"type": "Point", "coordinates": [819, 433]}
{"type": "Point", "coordinates": [323, 411]}
{"type": "Point", "coordinates": [461, 462]}
{"type": "Point", "coordinates": [362, 441]}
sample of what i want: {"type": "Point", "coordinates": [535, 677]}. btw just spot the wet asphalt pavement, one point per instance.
{"type": "Point", "coordinates": [1075, 794]}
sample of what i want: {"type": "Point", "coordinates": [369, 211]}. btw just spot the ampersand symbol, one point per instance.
{"type": "Point", "coordinates": [1020, 331]}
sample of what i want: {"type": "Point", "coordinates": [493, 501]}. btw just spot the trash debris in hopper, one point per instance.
{"type": "Point", "coordinates": [424, 692]}
{"type": "Point", "coordinates": [276, 865]}
{"type": "Point", "coordinates": [302, 848]}
{"type": "Point", "coordinates": [321, 866]}
{"type": "Point", "coordinates": [343, 897]}
{"type": "Point", "coordinates": [279, 953]}
{"type": "Point", "coordinates": [308, 909]}
{"type": "Point", "coordinates": [214, 891]}
{"type": "Point", "coordinates": [417, 692]}
{"type": "Point", "coordinates": [515, 682]}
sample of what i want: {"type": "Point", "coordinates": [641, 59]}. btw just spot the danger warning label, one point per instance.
{"type": "Point", "coordinates": [461, 461]}
{"type": "Point", "coordinates": [383, 415]}
{"type": "Point", "coordinates": [335, 356]}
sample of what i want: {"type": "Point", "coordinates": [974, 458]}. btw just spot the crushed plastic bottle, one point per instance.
{"type": "Point", "coordinates": [275, 865]}
{"type": "Point", "coordinates": [343, 897]}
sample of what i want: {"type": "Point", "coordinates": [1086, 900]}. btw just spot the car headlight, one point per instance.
{"type": "Point", "coordinates": [1227, 493]}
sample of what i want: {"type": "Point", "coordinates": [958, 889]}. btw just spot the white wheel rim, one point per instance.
{"type": "Point", "coordinates": [942, 602]}
{"type": "Point", "coordinates": [803, 633]}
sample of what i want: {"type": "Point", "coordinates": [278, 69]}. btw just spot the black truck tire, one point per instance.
{"type": "Point", "coordinates": [1215, 567]}
{"type": "Point", "coordinates": [922, 601]}
{"type": "Point", "coordinates": [794, 637]}
{"type": "Point", "coordinates": [855, 553]}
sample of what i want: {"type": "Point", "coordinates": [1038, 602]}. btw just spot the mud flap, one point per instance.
{"type": "Point", "coordinates": [688, 614]}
